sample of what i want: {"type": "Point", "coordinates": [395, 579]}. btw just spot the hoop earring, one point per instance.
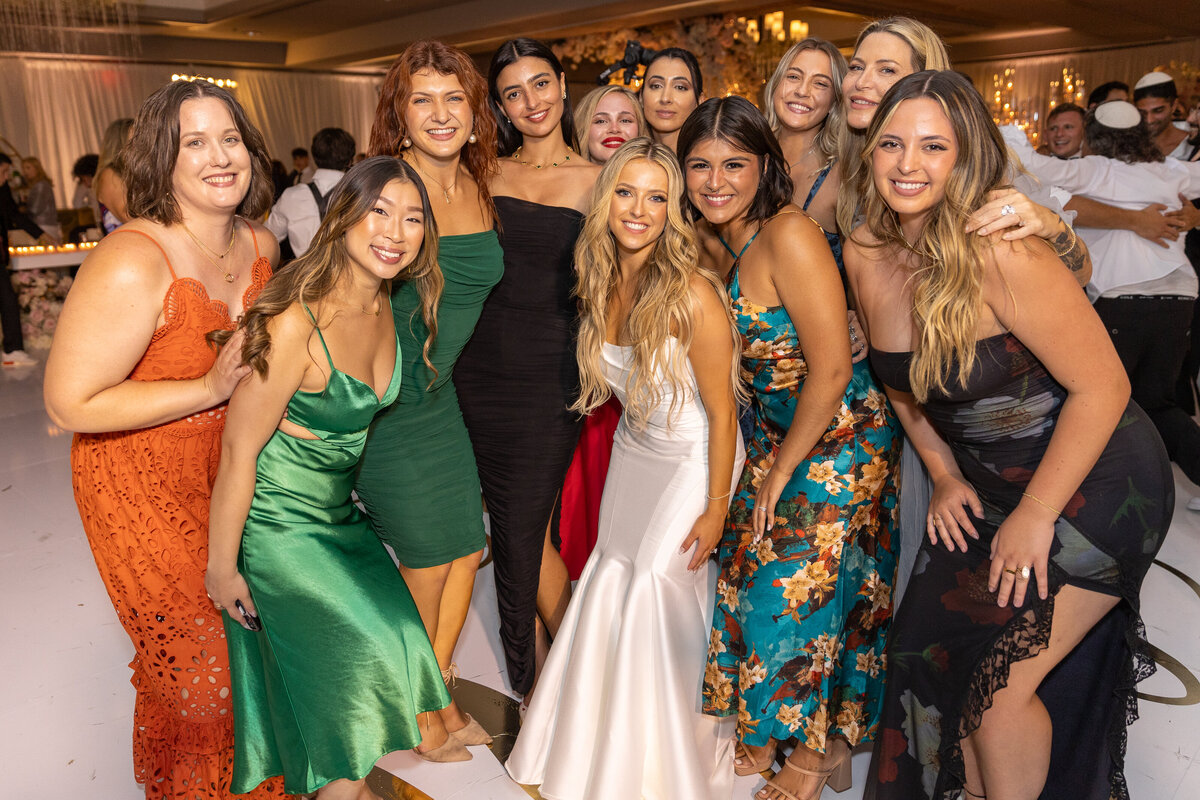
{"type": "Point", "coordinates": [405, 143]}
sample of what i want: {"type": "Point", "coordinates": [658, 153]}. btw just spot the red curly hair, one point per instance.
{"type": "Point", "coordinates": [388, 130]}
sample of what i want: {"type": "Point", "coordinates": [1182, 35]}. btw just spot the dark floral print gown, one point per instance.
{"type": "Point", "coordinates": [951, 646]}
{"type": "Point", "coordinates": [802, 612]}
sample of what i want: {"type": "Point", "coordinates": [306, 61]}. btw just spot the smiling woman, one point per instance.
{"type": "Point", "coordinates": [131, 370]}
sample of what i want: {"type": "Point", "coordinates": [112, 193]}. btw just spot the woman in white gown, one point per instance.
{"type": "Point", "coordinates": [617, 711]}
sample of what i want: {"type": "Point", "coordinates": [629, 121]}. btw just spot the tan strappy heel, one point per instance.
{"type": "Point", "coordinates": [837, 776]}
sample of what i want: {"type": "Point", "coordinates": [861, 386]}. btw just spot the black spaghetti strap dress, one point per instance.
{"type": "Point", "coordinates": [951, 646]}
{"type": "Point", "coordinates": [515, 380]}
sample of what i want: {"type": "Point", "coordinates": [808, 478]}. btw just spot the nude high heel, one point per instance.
{"type": "Point", "coordinates": [838, 777]}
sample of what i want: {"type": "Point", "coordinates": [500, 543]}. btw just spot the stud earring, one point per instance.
{"type": "Point", "coordinates": [472, 139]}
{"type": "Point", "coordinates": [405, 143]}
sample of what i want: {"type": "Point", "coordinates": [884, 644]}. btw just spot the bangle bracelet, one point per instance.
{"type": "Point", "coordinates": [1039, 502]}
{"type": "Point", "coordinates": [1074, 241]}
{"type": "Point", "coordinates": [718, 497]}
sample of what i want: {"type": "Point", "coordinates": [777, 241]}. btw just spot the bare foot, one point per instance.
{"type": "Point", "coordinates": [745, 756]}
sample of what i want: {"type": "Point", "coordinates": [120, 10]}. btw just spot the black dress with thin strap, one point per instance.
{"type": "Point", "coordinates": [515, 380]}
{"type": "Point", "coordinates": [951, 646]}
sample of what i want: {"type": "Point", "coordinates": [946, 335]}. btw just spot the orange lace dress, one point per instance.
{"type": "Point", "coordinates": [143, 496]}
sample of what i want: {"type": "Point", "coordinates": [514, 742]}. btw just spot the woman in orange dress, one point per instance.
{"type": "Point", "coordinates": [131, 371]}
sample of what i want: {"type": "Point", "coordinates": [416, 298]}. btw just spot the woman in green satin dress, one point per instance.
{"type": "Point", "coordinates": [330, 664]}
{"type": "Point", "coordinates": [418, 479]}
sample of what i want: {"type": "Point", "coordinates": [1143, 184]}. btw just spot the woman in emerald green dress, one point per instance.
{"type": "Point", "coordinates": [330, 664]}
{"type": "Point", "coordinates": [418, 479]}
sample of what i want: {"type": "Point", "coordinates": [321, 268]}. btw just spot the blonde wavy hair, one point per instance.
{"type": "Point", "coordinates": [318, 272]}
{"type": "Point", "coordinates": [587, 107]}
{"type": "Point", "coordinates": [947, 285]}
{"type": "Point", "coordinates": [662, 305]}
{"type": "Point", "coordinates": [827, 139]}
{"type": "Point", "coordinates": [928, 52]}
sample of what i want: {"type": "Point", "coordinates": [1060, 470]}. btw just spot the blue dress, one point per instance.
{"type": "Point", "coordinates": [802, 613]}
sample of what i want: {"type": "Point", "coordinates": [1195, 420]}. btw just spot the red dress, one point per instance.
{"type": "Point", "coordinates": [584, 485]}
{"type": "Point", "coordinates": [143, 496]}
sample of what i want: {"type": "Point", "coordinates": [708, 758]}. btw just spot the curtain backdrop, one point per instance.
{"type": "Point", "coordinates": [57, 109]}
{"type": "Point", "coordinates": [1031, 78]}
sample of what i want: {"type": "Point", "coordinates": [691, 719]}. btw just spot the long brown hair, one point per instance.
{"type": "Point", "coordinates": [388, 131]}
{"type": "Point", "coordinates": [315, 274]}
{"type": "Point", "coordinates": [148, 160]}
{"type": "Point", "coordinates": [947, 285]}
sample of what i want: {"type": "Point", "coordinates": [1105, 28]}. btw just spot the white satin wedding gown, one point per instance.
{"type": "Point", "coordinates": [616, 714]}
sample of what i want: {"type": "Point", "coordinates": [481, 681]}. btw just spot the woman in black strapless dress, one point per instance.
{"type": "Point", "coordinates": [1012, 660]}
{"type": "Point", "coordinates": [518, 373]}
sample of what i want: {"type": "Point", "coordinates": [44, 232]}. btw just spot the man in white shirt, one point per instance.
{"type": "Point", "coordinates": [298, 213]}
{"type": "Point", "coordinates": [1157, 99]}
{"type": "Point", "coordinates": [1064, 131]}
{"type": "Point", "coordinates": [1143, 293]}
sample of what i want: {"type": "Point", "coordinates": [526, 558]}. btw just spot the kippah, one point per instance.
{"type": "Point", "coordinates": [1117, 114]}
{"type": "Point", "coordinates": [1152, 79]}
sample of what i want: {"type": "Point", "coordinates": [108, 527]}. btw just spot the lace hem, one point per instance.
{"type": "Point", "coordinates": [1025, 636]}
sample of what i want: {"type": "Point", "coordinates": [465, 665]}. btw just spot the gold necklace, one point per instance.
{"type": "Point", "coordinates": [517, 157]}
{"type": "Point", "coordinates": [374, 313]}
{"type": "Point", "coordinates": [445, 191]}
{"type": "Point", "coordinates": [205, 250]}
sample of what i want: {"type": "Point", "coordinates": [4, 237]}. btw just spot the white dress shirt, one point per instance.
{"type": "Point", "coordinates": [295, 216]}
{"type": "Point", "coordinates": [1123, 262]}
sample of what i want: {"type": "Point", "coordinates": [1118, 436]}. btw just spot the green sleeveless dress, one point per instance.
{"type": "Point", "coordinates": [343, 665]}
{"type": "Point", "coordinates": [418, 480]}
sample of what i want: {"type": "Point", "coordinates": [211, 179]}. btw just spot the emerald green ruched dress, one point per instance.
{"type": "Point", "coordinates": [343, 665]}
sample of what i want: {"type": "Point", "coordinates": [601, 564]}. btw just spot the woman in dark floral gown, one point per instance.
{"type": "Point", "coordinates": [1052, 491]}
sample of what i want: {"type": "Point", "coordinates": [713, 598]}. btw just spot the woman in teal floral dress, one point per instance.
{"type": "Point", "coordinates": [808, 557]}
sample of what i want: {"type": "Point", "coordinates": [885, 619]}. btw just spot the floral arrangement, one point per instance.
{"type": "Point", "coordinates": [41, 293]}
{"type": "Point", "coordinates": [727, 53]}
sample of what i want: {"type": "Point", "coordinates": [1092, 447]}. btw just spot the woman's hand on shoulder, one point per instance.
{"type": "Point", "coordinates": [1015, 214]}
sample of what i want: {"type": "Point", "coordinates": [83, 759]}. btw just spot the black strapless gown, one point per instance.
{"type": "Point", "coordinates": [951, 646]}
{"type": "Point", "coordinates": [515, 380]}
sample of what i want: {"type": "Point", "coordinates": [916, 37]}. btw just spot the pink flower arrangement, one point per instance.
{"type": "Point", "coordinates": [41, 293]}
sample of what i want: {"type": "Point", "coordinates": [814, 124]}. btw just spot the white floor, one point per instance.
{"type": "Point", "coordinates": [66, 704]}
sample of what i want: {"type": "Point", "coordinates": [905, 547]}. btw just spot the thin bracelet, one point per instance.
{"type": "Point", "coordinates": [1074, 241]}
{"type": "Point", "coordinates": [718, 497]}
{"type": "Point", "coordinates": [1057, 513]}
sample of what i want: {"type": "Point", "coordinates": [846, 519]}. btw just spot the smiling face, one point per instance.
{"type": "Point", "coordinates": [212, 169]}
{"type": "Point", "coordinates": [880, 60]}
{"type": "Point", "coordinates": [437, 114]}
{"type": "Point", "coordinates": [722, 180]}
{"type": "Point", "coordinates": [1064, 134]}
{"type": "Point", "coordinates": [1156, 113]}
{"type": "Point", "coordinates": [613, 123]}
{"type": "Point", "coordinates": [532, 96]}
{"type": "Point", "coordinates": [913, 161]}
{"type": "Point", "coordinates": [805, 94]}
{"type": "Point", "coordinates": [389, 237]}
{"type": "Point", "coordinates": [637, 210]}
{"type": "Point", "coordinates": [668, 94]}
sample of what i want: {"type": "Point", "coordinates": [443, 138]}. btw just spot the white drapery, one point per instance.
{"type": "Point", "coordinates": [57, 109]}
{"type": "Point", "coordinates": [1032, 76]}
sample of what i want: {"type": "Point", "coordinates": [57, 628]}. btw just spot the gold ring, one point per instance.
{"type": "Point", "coordinates": [218, 607]}
{"type": "Point", "coordinates": [1023, 574]}
{"type": "Point", "coordinates": [1010, 571]}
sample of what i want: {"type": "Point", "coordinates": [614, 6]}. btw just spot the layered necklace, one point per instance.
{"type": "Point", "coordinates": [517, 157]}
{"type": "Point", "coordinates": [212, 255]}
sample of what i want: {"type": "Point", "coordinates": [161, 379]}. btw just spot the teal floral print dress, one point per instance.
{"type": "Point", "coordinates": [797, 645]}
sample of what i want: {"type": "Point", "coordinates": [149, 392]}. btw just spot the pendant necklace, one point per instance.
{"type": "Point", "coordinates": [212, 255]}
{"type": "Point", "coordinates": [445, 191]}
